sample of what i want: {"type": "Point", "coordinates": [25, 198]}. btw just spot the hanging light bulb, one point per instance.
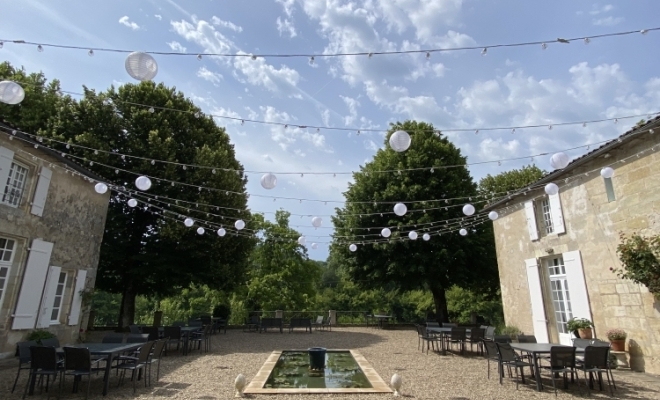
{"type": "Point", "coordinates": [200, 231]}
{"type": "Point", "coordinates": [40, 48]}
{"type": "Point", "coordinates": [222, 232]}
{"type": "Point", "coordinates": [90, 53]}
{"type": "Point", "coordinates": [188, 222]}
{"type": "Point", "coordinates": [484, 51]}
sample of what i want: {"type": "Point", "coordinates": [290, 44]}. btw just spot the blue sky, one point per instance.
{"type": "Point", "coordinates": [508, 86]}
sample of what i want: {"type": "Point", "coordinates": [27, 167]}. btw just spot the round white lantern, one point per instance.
{"type": "Point", "coordinates": [200, 231]}
{"type": "Point", "coordinates": [386, 232]}
{"type": "Point", "coordinates": [222, 232]}
{"type": "Point", "coordinates": [11, 92]}
{"type": "Point", "coordinates": [463, 231]}
{"type": "Point", "coordinates": [551, 189]}
{"type": "Point", "coordinates": [317, 221]}
{"type": "Point", "coordinates": [188, 222]}
{"type": "Point", "coordinates": [101, 188]}
{"type": "Point", "coordinates": [301, 240]}
{"type": "Point", "coordinates": [268, 181]}
{"type": "Point", "coordinates": [400, 141]}
{"type": "Point", "coordinates": [468, 209]}
{"type": "Point", "coordinates": [426, 237]}
{"type": "Point", "coordinates": [412, 235]}
{"type": "Point", "coordinates": [132, 203]}
{"type": "Point", "coordinates": [143, 183]}
{"type": "Point", "coordinates": [607, 172]}
{"type": "Point", "coordinates": [559, 160]}
{"type": "Point", "coordinates": [352, 247]}
{"type": "Point", "coordinates": [400, 209]}
{"type": "Point", "coordinates": [493, 215]}
{"type": "Point", "coordinates": [314, 246]}
{"type": "Point", "coordinates": [141, 66]}
{"type": "Point", "coordinates": [240, 224]}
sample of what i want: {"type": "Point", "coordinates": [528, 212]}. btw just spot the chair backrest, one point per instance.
{"type": "Point", "coordinates": [491, 348]}
{"type": "Point", "coordinates": [457, 333]}
{"type": "Point", "coordinates": [158, 348]}
{"type": "Point", "coordinates": [477, 334]}
{"type": "Point", "coordinates": [145, 352]}
{"type": "Point", "coordinates": [490, 332]}
{"type": "Point", "coordinates": [23, 350]}
{"type": "Point", "coordinates": [77, 358]}
{"type": "Point", "coordinates": [50, 342]}
{"type": "Point", "coordinates": [137, 338]}
{"type": "Point", "coordinates": [577, 342]}
{"type": "Point", "coordinates": [600, 343]}
{"type": "Point", "coordinates": [113, 338]}
{"type": "Point", "coordinates": [596, 357]}
{"type": "Point", "coordinates": [562, 357]}
{"type": "Point", "coordinates": [179, 323]}
{"type": "Point", "coordinates": [506, 352]}
{"type": "Point", "coordinates": [134, 329]}
{"type": "Point", "coordinates": [205, 320]}
{"type": "Point", "coordinates": [194, 322]}
{"type": "Point", "coordinates": [449, 325]}
{"type": "Point", "coordinates": [153, 332]}
{"type": "Point", "coordinates": [502, 338]}
{"type": "Point", "coordinates": [42, 357]}
{"type": "Point", "coordinates": [526, 339]}
{"type": "Point", "coordinates": [173, 332]}
{"type": "Point", "coordinates": [319, 319]}
{"type": "Point", "coordinates": [432, 324]}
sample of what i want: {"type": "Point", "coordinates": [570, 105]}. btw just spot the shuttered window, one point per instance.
{"type": "Point", "coordinates": [15, 185]}
{"type": "Point", "coordinates": [58, 299]}
{"type": "Point", "coordinates": [7, 250]}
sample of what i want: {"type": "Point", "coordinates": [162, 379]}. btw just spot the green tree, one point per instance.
{"type": "Point", "coordinates": [436, 265]}
{"type": "Point", "coordinates": [509, 180]}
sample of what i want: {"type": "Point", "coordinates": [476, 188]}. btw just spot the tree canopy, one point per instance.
{"type": "Point", "coordinates": [509, 180]}
{"type": "Point", "coordinates": [445, 260]}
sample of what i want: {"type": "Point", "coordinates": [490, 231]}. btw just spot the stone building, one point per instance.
{"type": "Point", "coordinates": [51, 226]}
{"type": "Point", "coordinates": [555, 252]}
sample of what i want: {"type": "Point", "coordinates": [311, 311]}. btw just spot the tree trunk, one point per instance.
{"type": "Point", "coordinates": [127, 311]}
{"type": "Point", "coordinates": [440, 301]}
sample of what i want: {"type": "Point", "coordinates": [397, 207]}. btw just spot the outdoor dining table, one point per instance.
{"type": "Point", "coordinates": [186, 332]}
{"type": "Point", "coordinates": [381, 319]}
{"type": "Point", "coordinates": [443, 331]}
{"type": "Point", "coordinates": [536, 349]}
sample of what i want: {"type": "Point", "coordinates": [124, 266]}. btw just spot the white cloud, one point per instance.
{"type": "Point", "coordinates": [595, 10]}
{"type": "Point", "coordinates": [158, 17]}
{"type": "Point", "coordinates": [285, 26]}
{"type": "Point", "coordinates": [210, 76]}
{"type": "Point", "coordinates": [290, 134]}
{"type": "Point", "coordinates": [127, 22]}
{"type": "Point", "coordinates": [226, 24]}
{"type": "Point", "coordinates": [288, 6]}
{"type": "Point", "coordinates": [176, 46]}
{"type": "Point", "coordinates": [352, 105]}
{"type": "Point", "coordinates": [268, 158]}
{"type": "Point", "coordinates": [299, 153]}
{"type": "Point", "coordinates": [371, 145]}
{"type": "Point", "coordinates": [259, 73]}
{"type": "Point", "coordinates": [608, 21]}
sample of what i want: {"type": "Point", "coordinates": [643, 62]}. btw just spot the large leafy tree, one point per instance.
{"type": "Point", "coordinates": [147, 250]}
{"type": "Point", "coordinates": [498, 185]}
{"type": "Point", "coordinates": [438, 264]}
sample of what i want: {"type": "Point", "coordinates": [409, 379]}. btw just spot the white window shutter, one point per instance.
{"type": "Point", "coordinates": [6, 158]}
{"type": "Point", "coordinates": [577, 287]}
{"type": "Point", "coordinates": [539, 321]}
{"type": "Point", "coordinates": [531, 220]}
{"type": "Point", "coordinates": [32, 287]}
{"type": "Point", "coordinates": [43, 321]}
{"type": "Point", "coordinates": [41, 193]}
{"type": "Point", "coordinates": [76, 303]}
{"type": "Point", "coordinates": [557, 216]}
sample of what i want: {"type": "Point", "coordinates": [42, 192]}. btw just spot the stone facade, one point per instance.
{"type": "Point", "coordinates": [70, 226]}
{"type": "Point", "coordinates": [593, 222]}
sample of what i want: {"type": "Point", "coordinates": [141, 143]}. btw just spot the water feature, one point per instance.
{"type": "Point", "coordinates": [293, 370]}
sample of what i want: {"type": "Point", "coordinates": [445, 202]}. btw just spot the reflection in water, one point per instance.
{"type": "Point", "coordinates": [341, 371]}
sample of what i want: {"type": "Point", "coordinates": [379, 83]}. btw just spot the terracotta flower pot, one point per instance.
{"type": "Point", "coordinates": [618, 345]}
{"type": "Point", "coordinates": [585, 333]}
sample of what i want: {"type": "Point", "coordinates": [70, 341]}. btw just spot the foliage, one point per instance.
{"type": "Point", "coordinates": [639, 259]}
{"type": "Point", "coordinates": [239, 311]}
{"type": "Point", "coordinates": [106, 308]}
{"type": "Point", "coordinates": [435, 265]}
{"type": "Point", "coordinates": [38, 334]}
{"type": "Point", "coordinates": [616, 334]}
{"type": "Point", "coordinates": [509, 180]}
{"type": "Point", "coordinates": [574, 324]}
{"type": "Point", "coordinates": [509, 330]}
{"type": "Point", "coordinates": [463, 302]}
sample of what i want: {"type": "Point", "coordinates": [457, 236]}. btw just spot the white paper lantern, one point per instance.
{"type": "Point", "coordinates": [301, 240]}
{"type": "Point", "coordinates": [386, 232]}
{"type": "Point", "coordinates": [426, 237]}
{"type": "Point", "coordinates": [352, 247]}
{"type": "Point", "coordinates": [463, 232]}
{"type": "Point", "coordinates": [400, 209]}
{"type": "Point", "coordinates": [240, 224]}
{"type": "Point", "coordinates": [559, 160]}
{"type": "Point", "coordinates": [188, 222]}
{"type": "Point", "coordinates": [400, 141]}
{"type": "Point", "coordinates": [141, 66]}
{"type": "Point", "coordinates": [222, 232]}
{"type": "Point", "coordinates": [412, 235]}
{"type": "Point", "coordinates": [607, 172]}
{"type": "Point", "coordinates": [200, 231]}
{"type": "Point", "coordinates": [493, 215]}
{"type": "Point", "coordinates": [317, 221]}
{"type": "Point", "coordinates": [101, 188]}
{"type": "Point", "coordinates": [132, 203]}
{"type": "Point", "coordinates": [268, 181]}
{"type": "Point", "coordinates": [314, 246]}
{"type": "Point", "coordinates": [468, 209]}
{"type": "Point", "coordinates": [11, 92]}
{"type": "Point", "coordinates": [143, 183]}
{"type": "Point", "coordinates": [551, 189]}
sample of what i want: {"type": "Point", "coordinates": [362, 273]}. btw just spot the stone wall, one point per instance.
{"type": "Point", "coordinates": [73, 219]}
{"type": "Point", "coordinates": [592, 226]}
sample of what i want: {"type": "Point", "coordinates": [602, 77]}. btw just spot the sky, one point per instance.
{"type": "Point", "coordinates": [509, 86]}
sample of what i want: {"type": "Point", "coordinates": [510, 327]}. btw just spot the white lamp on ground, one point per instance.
{"type": "Point", "coordinates": [395, 382]}
{"type": "Point", "coordinates": [239, 384]}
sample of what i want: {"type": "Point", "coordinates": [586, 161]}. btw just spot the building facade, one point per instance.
{"type": "Point", "coordinates": [555, 251]}
{"type": "Point", "coordinates": [51, 226]}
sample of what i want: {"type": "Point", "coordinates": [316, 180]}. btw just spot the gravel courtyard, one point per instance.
{"type": "Point", "coordinates": [211, 375]}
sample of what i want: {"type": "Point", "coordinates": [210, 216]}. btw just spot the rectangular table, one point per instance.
{"type": "Point", "coordinates": [536, 349]}
{"type": "Point", "coordinates": [444, 331]}
{"type": "Point", "coordinates": [381, 319]}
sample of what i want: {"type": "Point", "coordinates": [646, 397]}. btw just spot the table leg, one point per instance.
{"type": "Point", "coordinates": [108, 371]}
{"type": "Point", "coordinates": [537, 372]}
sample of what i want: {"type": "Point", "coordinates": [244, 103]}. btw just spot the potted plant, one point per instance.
{"type": "Point", "coordinates": [582, 325]}
{"type": "Point", "coordinates": [618, 339]}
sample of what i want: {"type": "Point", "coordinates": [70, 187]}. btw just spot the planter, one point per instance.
{"type": "Point", "coordinates": [316, 358]}
{"type": "Point", "coordinates": [618, 345]}
{"type": "Point", "coordinates": [585, 333]}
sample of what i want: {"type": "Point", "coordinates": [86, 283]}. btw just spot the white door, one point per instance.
{"type": "Point", "coordinates": [539, 320]}
{"type": "Point", "coordinates": [561, 298]}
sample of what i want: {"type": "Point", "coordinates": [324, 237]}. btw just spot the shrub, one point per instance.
{"type": "Point", "coordinates": [616, 334]}
{"type": "Point", "coordinates": [639, 258]}
{"type": "Point", "coordinates": [509, 330]}
{"type": "Point", "coordinates": [38, 334]}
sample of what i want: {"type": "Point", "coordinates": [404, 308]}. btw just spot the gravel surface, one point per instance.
{"type": "Point", "coordinates": [211, 375]}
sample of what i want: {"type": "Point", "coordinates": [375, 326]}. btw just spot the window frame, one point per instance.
{"type": "Point", "coordinates": [56, 321]}
{"type": "Point", "coordinates": [545, 214]}
{"type": "Point", "coordinates": [6, 265]}
{"type": "Point", "coordinates": [26, 177]}
{"type": "Point", "coordinates": [557, 273]}
{"type": "Point", "coordinates": [609, 189]}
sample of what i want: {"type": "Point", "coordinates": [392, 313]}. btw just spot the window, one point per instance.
{"type": "Point", "coordinates": [15, 185]}
{"type": "Point", "coordinates": [6, 258]}
{"type": "Point", "coordinates": [546, 215]}
{"type": "Point", "coordinates": [561, 301]}
{"type": "Point", "coordinates": [609, 188]}
{"type": "Point", "coordinates": [57, 302]}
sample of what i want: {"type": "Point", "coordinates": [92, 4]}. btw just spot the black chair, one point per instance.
{"type": "Point", "coordinates": [203, 337]}
{"type": "Point", "coordinates": [136, 364]}
{"type": "Point", "coordinates": [424, 337]}
{"type": "Point", "coordinates": [508, 357]}
{"type": "Point", "coordinates": [23, 352]}
{"type": "Point", "coordinates": [476, 336]}
{"type": "Point", "coordinates": [502, 338]}
{"type": "Point", "coordinates": [596, 360]}
{"type": "Point", "coordinates": [220, 324]}
{"type": "Point", "coordinates": [449, 325]}
{"type": "Point", "coordinates": [135, 329]}
{"type": "Point", "coordinates": [153, 332]}
{"type": "Point", "coordinates": [137, 338]}
{"type": "Point", "coordinates": [458, 336]}
{"type": "Point", "coordinates": [491, 355]}
{"type": "Point", "coordinates": [155, 356]}
{"type": "Point", "coordinates": [78, 362]}
{"type": "Point", "coordinates": [179, 323]}
{"type": "Point", "coordinates": [195, 322]}
{"type": "Point", "coordinates": [51, 342]}
{"type": "Point", "coordinates": [173, 333]}
{"type": "Point", "coordinates": [527, 339]}
{"type": "Point", "coordinates": [43, 362]}
{"type": "Point", "coordinates": [113, 338]}
{"type": "Point", "coordinates": [562, 359]}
